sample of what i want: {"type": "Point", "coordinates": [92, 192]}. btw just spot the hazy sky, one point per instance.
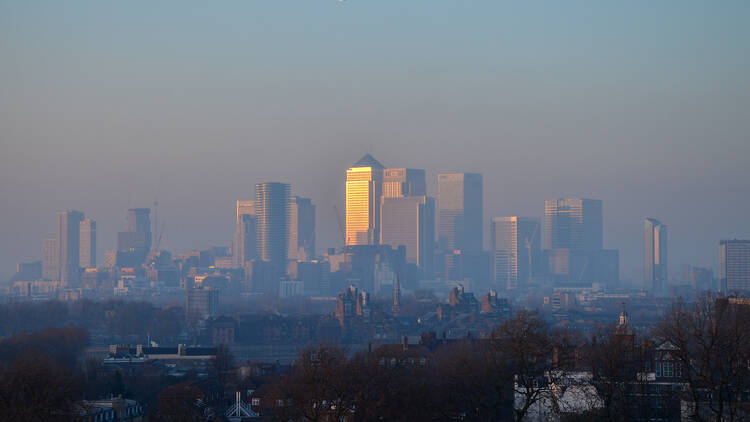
{"type": "Point", "coordinates": [107, 105]}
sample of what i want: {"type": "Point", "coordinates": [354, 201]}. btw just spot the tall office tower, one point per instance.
{"type": "Point", "coordinates": [364, 186]}
{"type": "Point", "coordinates": [201, 303]}
{"type": "Point", "coordinates": [460, 207]}
{"type": "Point", "coordinates": [68, 246]}
{"type": "Point", "coordinates": [301, 229]}
{"type": "Point", "coordinates": [734, 266]}
{"type": "Point", "coordinates": [574, 224]}
{"type": "Point", "coordinates": [398, 183]}
{"type": "Point", "coordinates": [134, 244]}
{"type": "Point", "coordinates": [272, 219]}
{"type": "Point", "coordinates": [655, 254]}
{"type": "Point", "coordinates": [87, 251]}
{"type": "Point", "coordinates": [410, 222]}
{"type": "Point", "coordinates": [244, 247]}
{"type": "Point", "coordinates": [139, 220]}
{"type": "Point", "coordinates": [515, 245]}
{"type": "Point", "coordinates": [49, 259]}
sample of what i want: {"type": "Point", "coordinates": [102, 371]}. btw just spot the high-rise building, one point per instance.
{"type": "Point", "coordinates": [364, 186]}
{"type": "Point", "coordinates": [134, 244]}
{"type": "Point", "coordinates": [87, 251]}
{"type": "Point", "coordinates": [301, 229]}
{"type": "Point", "coordinates": [515, 246]}
{"type": "Point", "coordinates": [50, 270]}
{"type": "Point", "coordinates": [401, 182]}
{"type": "Point", "coordinates": [410, 222]}
{"type": "Point", "coordinates": [574, 224]}
{"type": "Point", "coordinates": [460, 212]}
{"type": "Point", "coordinates": [655, 255]}
{"type": "Point", "coordinates": [139, 220]}
{"type": "Point", "coordinates": [202, 303]}
{"type": "Point", "coordinates": [272, 219]}
{"type": "Point", "coordinates": [734, 266]}
{"type": "Point", "coordinates": [68, 246]}
{"type": "Point", "coordinates": [245, 238]}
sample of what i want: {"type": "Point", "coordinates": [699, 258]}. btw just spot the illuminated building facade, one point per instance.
{"type": "Point", "coordinates": [655, 254]}
{"type": "Point", "coordinates": [364, 185]}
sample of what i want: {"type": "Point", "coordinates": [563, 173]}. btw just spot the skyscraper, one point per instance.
{"type": "Point", "coordinates": [734, 266]}
{"type": "Point", "coordinates": [301, 229]}
{"type": "Point", "coordinates": [50, 271]}
{"type": "Point", "coordinates": [655, 254]}
{"type": "Point", "coordinates": [87, 251]}
{"type": "Point", "coordinates": [139, 220]}
{"type": "Point", "coordinates": [401, 182]}
{"type": "Point", "coordinates": [460, 210]}
{"type": "Point", "coordinates": [272, 219]}
{"type": "Point", "coordinates": [364, 186]}
{"type": "Point", "coordinates": [245, 237]}
{"type": "Point", "coordinates": [515, 245]}
{"type": "Point", "coordinates": [410, 222]}
{"type": "Point", "coordinates": [134, 244]}
{"type": "Point", "coordinates": [573, 223]}
{"type": "Point", "coordinates": [68, 246]}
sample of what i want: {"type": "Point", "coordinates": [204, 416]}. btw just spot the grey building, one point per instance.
{"type": "Point", "coordinates": [515, 250]}
{"type": "Point", "coordinates": [573, 223]}
{"type": "Point", "coordinates": [655, 255]}
{"type": "Point", "coordinates": [87, 251]}
{"type": "Point", "coordinates": [245, 238]}
{"type": "Point", "coordinates": [49, 259]}
{"type": "Point", "coordinates": [401, 182]}
{"type": "Point", "coordinates": [734, 266]}
{"type": "Point", "coordinates": [68, 246]}
{"type": "Point", "coordinates": [410, 222]}
{"type": "Point", "coordinates": [460, 212]}
{"type": "Point", "coordinates": [272, 219]}
{"type": "Point", "coordinates": [301, 229]}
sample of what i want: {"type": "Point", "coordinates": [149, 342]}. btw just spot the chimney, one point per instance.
{"type": "Point", "coordinates": [406, 343]}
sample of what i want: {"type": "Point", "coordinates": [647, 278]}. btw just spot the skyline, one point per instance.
{"type": "Point", "coordinates": [103, 108]}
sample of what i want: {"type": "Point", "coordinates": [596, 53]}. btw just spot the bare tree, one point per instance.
{"type": "Point", "coordinates": [524, 345]}
{"type": "Point", "coordinates": [712, 346]}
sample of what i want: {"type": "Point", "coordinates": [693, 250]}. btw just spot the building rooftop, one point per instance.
{"type": "Point", "coordinates": [368, 161]}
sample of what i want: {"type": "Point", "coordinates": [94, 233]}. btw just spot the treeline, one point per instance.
{"type": "Point", "coordinates": [38, 380]}
{"type": "Point", "coordinates": [126, 319]}
{"type": "Point", "coordinates": [695, 364]}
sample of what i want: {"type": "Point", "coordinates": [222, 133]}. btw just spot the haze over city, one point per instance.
{"type": "Point", "coordinates": [360, 210]}
{"type": "Point", "coordinates": [105, 107]}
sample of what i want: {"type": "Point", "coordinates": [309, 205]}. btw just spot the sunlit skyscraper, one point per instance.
{"type": "Point", "coordinates": [87, 252]}
{"type": "Point", "coordinates": [68, 246]}
{"type": "Point", "coordinates": [401, 182]}
{"type": "Point", "coordinates": [410, 222]}
{"type": "Point", "coordinates": [460, 212]}
{"type": "Point", "coordinates": [245, 238]}
{"type": "Point", "coordinates": [364, 186]}
{"type": "Point", "coordinates": [515, 246]}
{"type": "Point", "coordinates": [734, 266]}
{"type": "Point", "coordinates": [655, 254]}
{"type": "Point", "coordinates": [272, 219]}
{"type": "Point", "coordinates": [301, 229]}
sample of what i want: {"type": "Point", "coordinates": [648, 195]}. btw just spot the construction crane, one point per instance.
{"type": "Point", "coordinates": [341, 226]}
{"type": "Point", "coordinates": [527, 242]}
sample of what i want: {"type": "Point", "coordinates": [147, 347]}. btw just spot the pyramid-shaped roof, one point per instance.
{"type": "Point", "coordinates": [368, 161]}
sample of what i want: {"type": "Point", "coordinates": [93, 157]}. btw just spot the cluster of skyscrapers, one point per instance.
{"type": "Point", "coordinates": [393, 229]}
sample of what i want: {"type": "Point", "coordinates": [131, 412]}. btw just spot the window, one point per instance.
{"type": "Point", "coordinates": [658, 369]}
{"type": "Point", "coordinates": [668, 369]}
{"type": "Point", "coordinates": [678, 371]}
{"type": "Point", "coordinates": [256, 401]}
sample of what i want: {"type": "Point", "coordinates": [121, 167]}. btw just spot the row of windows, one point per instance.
{"type": "Point", "coordinates": [668, 369]}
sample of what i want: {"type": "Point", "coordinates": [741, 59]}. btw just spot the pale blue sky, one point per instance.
{"type": "Point", "coordinates": [105, 105]}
